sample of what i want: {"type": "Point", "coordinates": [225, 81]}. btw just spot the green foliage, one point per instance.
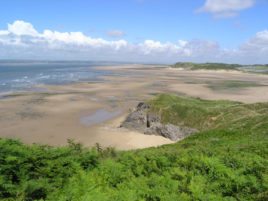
{"type": "Point", "coordinates": [31, 172]}
{"type": "Point", "coordinates": [226, 161]}
{"type": "Point", "coordinates": [257, 68]}
{"type": "Point", "coordinates": [207, 66]}
{"type": "Point", "coordinates": [207, 114]}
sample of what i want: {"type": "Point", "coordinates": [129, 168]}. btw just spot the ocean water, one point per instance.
{"type": "Point", "coordinates": [26, 75]}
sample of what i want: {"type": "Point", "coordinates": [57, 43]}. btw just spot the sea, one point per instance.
{"type": "Point", "coordinates": [17, 76]}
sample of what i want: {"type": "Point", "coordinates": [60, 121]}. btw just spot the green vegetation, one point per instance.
{"type": "Point", "coordinates": [227, 160]}
{"type": "Point", "coordinates": [222, 66]}
{"type": "Point", "coordinates": [206, 66]}
{"type": "Point", "coordinates": [256, 68]}
{"type": "Point", "coordinates": [261, 67]}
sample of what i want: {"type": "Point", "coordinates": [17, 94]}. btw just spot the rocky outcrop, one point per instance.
{"type": "Point", "coordinates": [142, 120]}
{"type": "Point", "coordinates": [137, 120]}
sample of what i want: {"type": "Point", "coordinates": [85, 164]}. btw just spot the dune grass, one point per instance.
{"type": "Point", "coordinates": [256, 68]}
{"type": "Point", "coordinates": [207, 114]}
{"type": "Point", "coordinates": [206, 66]}
{"type": "Point", "coordinates": [226, 160]}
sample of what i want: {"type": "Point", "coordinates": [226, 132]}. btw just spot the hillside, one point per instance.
{"type": "Point", "coordinates": [226, 160]}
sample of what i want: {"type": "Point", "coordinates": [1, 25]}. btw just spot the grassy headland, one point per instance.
{"type": "Point", "coordinates": [226, 160]}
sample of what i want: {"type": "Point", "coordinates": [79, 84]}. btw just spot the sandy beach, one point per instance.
{"type": "Point", "coordinates": [91, 112]}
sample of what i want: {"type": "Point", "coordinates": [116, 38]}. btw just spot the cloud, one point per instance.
{"type": "Point", "coordinates": [226, 8]}
{"type": "Point", "coordinates": [22, 28]}
{"type": "Point", "coordinates": [23, 33]}
{"type": "Point", "coordinates": [23, 36]}
{"type": "Point", "coordinates": [22, 41]}
{"type": "Point", "coordinates": [256, 48]}
{"type": "Point", "coordinates": [115, 33]}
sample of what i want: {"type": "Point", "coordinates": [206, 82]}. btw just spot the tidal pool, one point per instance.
{"type": "Point", "coordinates": [99, 116]}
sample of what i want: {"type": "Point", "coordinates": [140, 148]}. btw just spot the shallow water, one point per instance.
{"type": "Point", "coordinates": [99, 116]}
{"type": "Point", "coordinates": [22, 75]}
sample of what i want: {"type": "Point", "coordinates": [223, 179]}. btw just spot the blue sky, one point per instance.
{"type": "Point", "coordinates": [229, 27]}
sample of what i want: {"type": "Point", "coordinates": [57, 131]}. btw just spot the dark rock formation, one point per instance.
{"type": "Point", "coordinates": [142, 120]}
{"type": "Point", "coordinates": [143, 106]}
{"type": "Point", "coordinates": [170, 131]}
{"type": "Point", "coordinates": [137, 120]}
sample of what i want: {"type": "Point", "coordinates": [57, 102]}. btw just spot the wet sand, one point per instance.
{"type": "Point", "coordinates": [91, 113]}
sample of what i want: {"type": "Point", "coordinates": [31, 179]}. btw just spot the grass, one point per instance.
{"type": "Point", "coordinates": [207, 114]}
{"type": "Point", "coordinates": [206, 66]}
{"type": "Point", "coordinates": [227, 160]}
{"type": "Point", "coordinates": [257, 68]}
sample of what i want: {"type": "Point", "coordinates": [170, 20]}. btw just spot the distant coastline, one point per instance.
{"type": "Point", "coordinates": [254, 68]}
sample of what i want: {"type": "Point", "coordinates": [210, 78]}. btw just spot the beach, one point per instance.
{"type": "Point", "coordinates": [91, 112]}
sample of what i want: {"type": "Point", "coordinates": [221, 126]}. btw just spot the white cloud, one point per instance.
{"type": "Point", "coordinates": [23, 33]}
{"type": "Point", "coordinates": [195, 48]}
{"type": "Point", "coordinates": [115, 33]}
{"type": "Point", "coordinates": [22, 28]}
{"type": "Point", "coordinates": [226, 8]}
{"type": "Point", "coordinates": [4, 32]}
{"type": "Point", "coordinates": [182, 43]}
{"type": "Point", "coordinates": [257, 47]}
{"type": "Point", "coordinates": [21, 41]}
{"type": "Point", "coordinates": [77, 38]}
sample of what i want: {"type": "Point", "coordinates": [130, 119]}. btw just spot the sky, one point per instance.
{"type": "Point", "coordinates": [155, 31]}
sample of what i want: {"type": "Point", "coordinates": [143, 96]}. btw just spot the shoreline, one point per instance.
{"type": "Point", "coordinates": [53, 116]}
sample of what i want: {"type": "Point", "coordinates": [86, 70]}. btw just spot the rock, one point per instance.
{"type": "Point", "coordinates": [152, 119]}
{"type": "Point", "coordinates": [170, 131]}
{"type": "Point", "coordinates": [143, 106]}
{"type": "Point", "coordinates": [142, 120]}
{"type": "Point", "coordinates": [136, 121]}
